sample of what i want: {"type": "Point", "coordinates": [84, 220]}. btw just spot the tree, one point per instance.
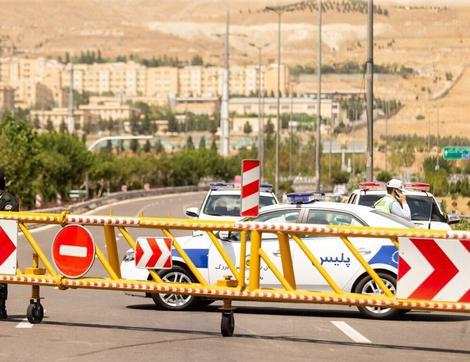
{"type": "Point", "coordinates": [134, 145]}
{"type": "Point", "coordinates": [197, 60]}
{"type": "Point", "coordinates": [202, 143]}
{"type": "Point", "coordinates": [159, 149]}
{"type": "Point", "coordinates": [49, 125]}
{"type": "Point", "coordinates": [63, 126]}
{"type": "Point", "coordinates": [247, 129]}
{"type": "Point", "coordinates": [189, 143]}
{"type": "Point", "coordinates": [147, 146]}
{"type": "Point", "coordinates": [36, 123]}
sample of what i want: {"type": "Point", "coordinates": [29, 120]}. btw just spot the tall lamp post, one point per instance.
{"type": "Point", "coordinates": [318, 141]}
{"type": "Point", "coordinates": [279, 10]}
{"type": "Point", "coordinates": [260, 113]}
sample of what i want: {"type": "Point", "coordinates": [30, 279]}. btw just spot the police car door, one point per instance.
{"type": "Point", "coordinates": [270, 244]}
{"type": "Point", "coordinates": [331, 252]}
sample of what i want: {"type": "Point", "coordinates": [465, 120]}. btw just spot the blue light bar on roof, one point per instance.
{"type": "Point", "coordinates": [266, 187]}
{"type": "Point", "coordinates": [305, 197]}
{"type": "Point", "coordinates": [221, 186]}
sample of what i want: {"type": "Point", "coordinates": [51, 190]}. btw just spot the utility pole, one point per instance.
{"type": "Point", "coordinates": [438, 147]}
{"type": "Point", "coordinates": [387, 113]}
{"type": "Point", "coordinates": [71, 120]}
{"type": "Point", "coordinates": [291, 120]}
{"type": "Point", "coordinates": [370, 92]}
{"type": "Point", "coordinates": [224, 110]}
{"type": "Point", "coordinates": [278, 113]}
{"type": "Point", "coordinates": [318, 141]}
{"type": "Point", "coordinates": [260, 108]}
{"type": "Point", "coordinates": [279, 10]}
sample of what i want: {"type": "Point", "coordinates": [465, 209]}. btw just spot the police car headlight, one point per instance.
{"type": "Point", "coordinates": [129, 256]}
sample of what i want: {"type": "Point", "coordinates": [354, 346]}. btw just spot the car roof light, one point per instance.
{"type": "Point", "coordinates": [419, 186]}
{"type": "Point", "coordinates": [221, 186]}
{"type": "Point", "coordinates": [305, 197]}
{"type": "Point", "coordinates": [373, 185]}
{"type": "Point", "coordinates": [266, 187]}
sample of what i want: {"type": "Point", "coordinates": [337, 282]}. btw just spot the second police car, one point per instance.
{"type": "Point", "coordinates": [329, 250]}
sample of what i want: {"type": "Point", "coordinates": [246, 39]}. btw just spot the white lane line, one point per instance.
{"type": "Point", "coordinates": [24, 324]}
{"type": "Point", "coordinates": [350, 332]}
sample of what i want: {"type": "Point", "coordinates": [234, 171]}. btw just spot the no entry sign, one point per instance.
{"type": "Point", "coordinates": [73, 251]}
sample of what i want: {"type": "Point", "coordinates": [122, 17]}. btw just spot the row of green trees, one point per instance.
{"type": "Point", "coordinates": [95, 56]}
{"type": "Point", "coordinates": [353, 68]}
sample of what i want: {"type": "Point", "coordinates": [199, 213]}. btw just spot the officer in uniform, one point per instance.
{"type": "Point", "coordinates": [394, 202]}
{"type": "Point", "coordinates": [7, 203]}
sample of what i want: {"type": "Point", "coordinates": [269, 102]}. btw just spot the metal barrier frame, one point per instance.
{"type": "Point", "coordinates": [229, 289]}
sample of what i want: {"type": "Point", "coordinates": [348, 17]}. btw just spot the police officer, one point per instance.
{"type": "Point", "coordinates": [7, 203]}
{"type": "Point", "coordinates": [394, 202]}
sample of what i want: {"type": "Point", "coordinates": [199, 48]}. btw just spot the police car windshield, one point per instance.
{"type": "Point", "coordinates": [229, 205]}
{"type": "Point", "coordinates": [420, 206]}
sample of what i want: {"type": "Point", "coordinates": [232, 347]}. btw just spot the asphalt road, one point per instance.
{"type": "Point", "coordinates": [97, 325]}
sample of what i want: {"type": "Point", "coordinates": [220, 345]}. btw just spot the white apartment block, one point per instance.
{"type": "Point", "coordinates": [31, 77]}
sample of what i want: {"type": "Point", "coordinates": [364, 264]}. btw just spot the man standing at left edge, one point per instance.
{"type": "Point", "coordinates": [7, 203]}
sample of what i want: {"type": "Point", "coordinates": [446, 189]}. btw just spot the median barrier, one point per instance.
{"type": "Point", "coordinates": [243, 282]}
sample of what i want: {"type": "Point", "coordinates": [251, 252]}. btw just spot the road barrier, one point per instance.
{"type": "Point", "coordinates": [236, 286]}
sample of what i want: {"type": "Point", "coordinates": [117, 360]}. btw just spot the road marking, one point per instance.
{"type": "Point", "coordinates": [71, 250]}
{"type": "Point", "coordinates": [350, 332]}
{"type": "Point", "coordinates": [24, 324]}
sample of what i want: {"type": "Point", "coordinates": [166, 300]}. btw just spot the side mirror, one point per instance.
{"type": "Point", "coordinates": [453, 219]}
{"type": "Point", "coordinates": [192, 212]}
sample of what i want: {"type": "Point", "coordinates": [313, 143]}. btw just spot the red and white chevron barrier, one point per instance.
{"type": "Point", "coordinates": [250, 188]}
{"type": "Point", "coordinates": [434, 269]}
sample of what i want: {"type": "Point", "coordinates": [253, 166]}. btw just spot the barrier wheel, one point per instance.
{"type": "Point", "coordinates": [227, 324]}
{"type": "Point", "coordinates": [35, 313]}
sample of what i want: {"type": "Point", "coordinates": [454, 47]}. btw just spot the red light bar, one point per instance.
{"type": "Point", "coordinates": [420, 186]}
{"type": "Point", "coordinates": [371, 185]}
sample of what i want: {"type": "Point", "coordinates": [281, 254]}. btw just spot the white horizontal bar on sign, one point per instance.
{"type": "Point", "coordinates": [250, 176]}
{"type": "Point", "coordinates": [72, 250]}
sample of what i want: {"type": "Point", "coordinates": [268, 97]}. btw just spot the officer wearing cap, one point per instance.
{"type": "Point", "coordinates": [394, 202]}
{"type": "Point", "coordinates": [7, 203]}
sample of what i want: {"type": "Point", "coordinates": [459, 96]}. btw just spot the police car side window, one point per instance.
{"type": "Point", "coordinates": [280, 216]}
{"type": "Point", "coordinates": [326, 217]}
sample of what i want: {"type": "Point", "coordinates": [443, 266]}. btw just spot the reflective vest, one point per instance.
{"type": "Point", "coordinates": [385, 204]}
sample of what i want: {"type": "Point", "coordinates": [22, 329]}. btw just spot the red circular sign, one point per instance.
{"type": "Point", "coordinates": [73, 251]}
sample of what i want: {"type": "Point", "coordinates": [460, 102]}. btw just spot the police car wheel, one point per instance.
{"type": "Point", "coordinates": [367, 286]}
{"type": "Point", "coordinates": [175, 301]}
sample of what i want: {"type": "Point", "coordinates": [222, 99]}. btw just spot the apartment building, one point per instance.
{"type": "Point", "coordinates": [7, 98]}
{"type": "Point", "coordinates": [161, 82]}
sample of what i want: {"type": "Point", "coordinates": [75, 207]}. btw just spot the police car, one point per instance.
{"type": "Point", "coordinates": [425, 210]}
{"type": "Point", "coordinates": [223, 202]}
{"type": "Point", "coordinates": [329, 250]}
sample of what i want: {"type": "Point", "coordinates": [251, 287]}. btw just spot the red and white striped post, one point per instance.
{"type": "Point", "coordinates": [250, 188]}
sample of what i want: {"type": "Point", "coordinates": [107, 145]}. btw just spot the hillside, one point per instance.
{"type": "Point", "coordinates": [431, 40]}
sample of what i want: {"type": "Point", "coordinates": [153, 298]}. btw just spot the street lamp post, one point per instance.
{"type": "Point", "coordinates": [318, 140]}
{"type": "Point", "coordinates": [260, 113]}
{"type": "Point", "coordinates": [279, 10]}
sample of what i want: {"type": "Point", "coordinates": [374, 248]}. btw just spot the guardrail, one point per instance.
{"type": "Point", "coordinates": [244, 281]}
{"type": "Point", "coordinates": [118, 196]}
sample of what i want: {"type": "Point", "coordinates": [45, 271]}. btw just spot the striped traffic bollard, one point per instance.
{"type": "Point", "coordinates": [250, 188]}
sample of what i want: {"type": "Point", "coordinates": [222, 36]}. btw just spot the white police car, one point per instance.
{"type": "Point", "coordinates": [223, 202]}
{"type": "Point", "coordinates": [330, 251]}
{"type": "Point", "coordinates": [425, 210]}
